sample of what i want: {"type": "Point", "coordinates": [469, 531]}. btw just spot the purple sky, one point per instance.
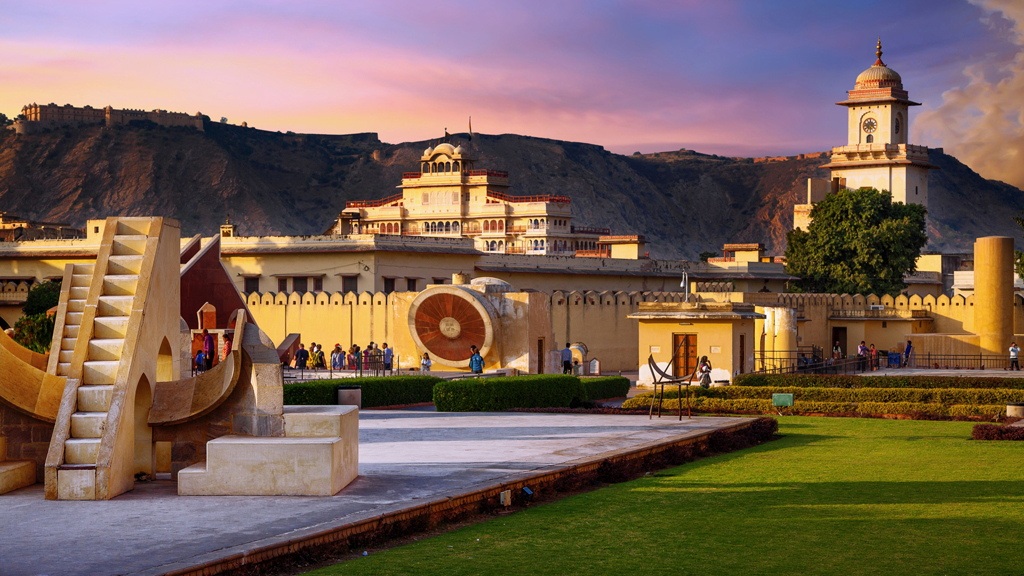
{"type": "Point", "coordinates": [727, 77]}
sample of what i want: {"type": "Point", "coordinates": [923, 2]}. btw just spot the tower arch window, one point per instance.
{"type": "Point", "coordinates": [447, 166]}
{"type": "Point", "coordinates": [487, 225]}
{"type": "Point", "coordinates": [448, 227]}
{"type": "Point", "coordinates": [455, 227]}
{"type": "Point", "coordinates": [455, 166]}
{"type": "Point", "coordinates": [501, 225]}
{"type": "Point", "coordinates": [869, 138]}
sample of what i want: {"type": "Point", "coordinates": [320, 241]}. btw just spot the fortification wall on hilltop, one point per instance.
{"type": "Point", "coordinates": [37, 117]}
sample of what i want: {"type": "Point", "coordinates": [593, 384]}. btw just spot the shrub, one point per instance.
{"type": "Point", "coordinates": [504, 393]}
{"type": "Point", "coordinates": [706, 404]}
{"type": "Point", "coordinates": [376, 392]}
{"type": "Point", "coordinates": [42, 297]}
{"type": "Point", "coordinates": [840, 381]}
{"type": "Point", "coordinates": [993, 432]}
{"type": "Point", "coordinates": [944, 396]}
{"type": "Point", "coordinates": [34, 332]}
{"type": "Point", "coordinates": [602, 387]}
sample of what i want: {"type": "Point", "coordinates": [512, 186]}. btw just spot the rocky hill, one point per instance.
{"type": "Point", "coordinates": [273, 183]}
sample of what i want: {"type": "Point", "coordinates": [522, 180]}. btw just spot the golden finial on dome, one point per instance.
{"type": "Point", "coordinates": [878, 53]}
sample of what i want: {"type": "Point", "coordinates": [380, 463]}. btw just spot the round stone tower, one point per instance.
{"type": "Point", "coordinates": [993, 293]}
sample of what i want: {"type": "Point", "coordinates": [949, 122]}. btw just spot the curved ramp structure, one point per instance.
{"type": "Point", "coordinates": [25, 385]}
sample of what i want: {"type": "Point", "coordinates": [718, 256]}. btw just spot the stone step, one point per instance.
{"type": "Point", "coordinates": [83, 269]}
{"type": "Point", "coordinates": [65, 356]}
{"type": "Point", "coordinates": [124, 264]}
{"type": "Point", "coordinates": [76, 483]}
{"type": "Point", "coordinates": [78, 293]}
{"type": "Point", "coordinates": [16, 474]}
{"type": "Point", "coordinates": [71, 332]}
{"type": "Point", "coordinates": [81, 280]}
{"type": "Point", "coordinates": [88, 424]}
{"type": "Point", "coordinates": [63, 368]}
{"type": "Point", "coordinates": [74, 318]}
{"type": "Point", "coordinates": [76, 305]}
{"type": "Point", "coordinates": [110, 327]}
{"type": "Point", "coordinates": [132, 226]}
{"type": "Point", "coordinates": [99, 372]}
{"type": "Point", "coordinates": [68, 343]}
{"type": "Point", "coordinates": [115, 306]}
{"type": "Point", "coordinates": [120, 284]}
{"type": "Point", "coordinates": [132, 245]}
{"type": "Point", "coordinates": [105, 348]}
{"type": "Point", "coordinates": [81, 450]}
{"type": "Point", "coordinates": [94, 398]}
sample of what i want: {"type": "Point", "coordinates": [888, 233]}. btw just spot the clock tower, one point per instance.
{"type": "Point", "coordinates": [877, 153]}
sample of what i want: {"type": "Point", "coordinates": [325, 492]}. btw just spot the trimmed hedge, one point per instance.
{"type": "Point", "coordinates": [839, 381]}
{"type": "Point", "coordinates": [381, 391]}
{"type": "Point", "coordinates": [705, 404]}
{"type": "Point", "coordinates": [504, 393]}
{"type": "Point", "coordinates": [603, 387]}
{"type": "Point", "coordinates": [944, 396]}
{"type": "Point", "coordinates": [993, 432]}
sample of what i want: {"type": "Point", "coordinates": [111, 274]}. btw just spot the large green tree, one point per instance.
{"type": "Point", "coordinates": [42, 297]}
{"type": "Point", "coordinates": [859, 242]}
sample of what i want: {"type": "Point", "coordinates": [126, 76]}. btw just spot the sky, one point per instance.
{"type": "Point", "coordinates": [729, 77]}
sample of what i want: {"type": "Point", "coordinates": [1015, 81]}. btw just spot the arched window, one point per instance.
{"type": "Point", "coordinates": [433, 167]}
{"type": "Point", "coordinates": [541, 242]}
{"type": "Point", "coordinates": [870, 138]}
{"type": "Point", "coordinates": [455, 166]}
{"type": "Point", "coordinates": [501, 245]}
{"type": "Point", "coordinates": [487, 225]}
{"type": "Point", "coordinates": [501, 225]}
{"type": "Point", "coordinates": [387, 228]}
{"type": "Point", "coordinates": [426, 167]}
{"type": "Point", "coordinates": [455, 197]}
{"type": "Point", "coordinates": [455, 227]}
{"type": "Point", "coordinates": [493, 245]}
{"type": "Point", "coordinates": [447, 227]}
{"type": "Point", "coordinates": [447, 166]}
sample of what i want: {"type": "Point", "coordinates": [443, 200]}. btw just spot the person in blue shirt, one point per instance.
{"type": "Point", "coordinates": [301, 357]}
{"type": "Point", "coordinates": [388, 355]}
{"type": "Point", "coordinates": [566, 359]}
{"type": "Point", "coordinates": [200, 366]}
{"type": "Point", "coordinates": [476, 361]}
{"type": "Point", "coordinates": [907, 353]}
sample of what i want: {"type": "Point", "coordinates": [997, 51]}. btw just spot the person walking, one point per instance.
{"type": "Point", "coordinates": [906, 354]}
{"type": "Point", "coordinates": [425, 363]}
{"type": "Point", "coordinates": [837, 351]}
{"type": "Point", "coordinates": [566, 359]}
{"type": "Point", "coordinates": [351, 357]}
{"type": "Point", "coordinates": [209, 348]}
{"type": "Point", "coordinates": [862, 357]}
{"type": "Point", "coordinates": [873, 356]}
{"type": "Point", "coordinates": [301, 357]}
{"type": "Point", "coordinates": [704, 372]}
{"type": "Point", "coordinates": [200, 365]}
{"type": "Point", "coordinates": [1014, 351]}
{"type": "Point", "coordinates": [388, 356]}
{"type": "Point", "coordinates": [476, 361]}
{"type": "Point", "coordinates": [227, 347]}
{"type": "Point", "coordinates": [337, 358]}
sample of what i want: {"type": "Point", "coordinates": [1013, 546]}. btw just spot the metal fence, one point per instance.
{"type": "Point", "coordinates": [788, 362]}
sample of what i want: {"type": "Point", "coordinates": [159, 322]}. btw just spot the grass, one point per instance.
{"type": "Point", "coordinates": [833, 496]}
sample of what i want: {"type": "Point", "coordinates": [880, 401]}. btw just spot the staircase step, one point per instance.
{"type": "Point", "coordinates": [81, 450]}
{"type": "Point", "coordinates": [76, 305]}
{"type": "Point", "coordinates": [88, 424]}
{"type": "Point", "coordinates": [16, 474]}
{"type": "Point", "coordinates": [76, 482]}
{"type": "Point", "coordinates": [63, 368]}
{"type": "Point", "coordinates": [74, 317]}
{"type": "Point", "coordinates": [115, 306]}
{"type": "Point", "coordinates": [94, 398]}
{"type": "Point", "coordinates": [71, 333]}
{"type": "Point", "coordinates": [124, 264]}
{"type": "Point", "coordinates": [129, 245]}
{"type": "Point", "coordinates": [81, 280]}
{"type": "Point", "coordinates": [99, 372]}
{"type": "Point", "coordinates": [105, 348]}
{"type": "Point", "coordinates": [67, 343]}
{"type": "Point", "coordinates": [65, 356]}
{"type": "Point", "coordinates": [78, 292]}
{"type": "Point", "coordinates": [110, 327]}
{"type": "Point", "coordinates": [84, 269]}
{"type": "Point", "coordinates": [120, 284]}
{"type": "Point", "coordinates": [132, 226]}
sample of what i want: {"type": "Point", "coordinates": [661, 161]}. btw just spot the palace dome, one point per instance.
{"type": "Point", "coordinates": [458, 149]}
{"type": "Point", "coordinates": [444, 148]}
{"type": "Point", "coordinates": [879, 75]}
{"type": "Point", "coordinates": [428, 151]}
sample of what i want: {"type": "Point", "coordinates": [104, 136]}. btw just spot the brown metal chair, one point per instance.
{"type": "Point", "coordinates": [662, 378]}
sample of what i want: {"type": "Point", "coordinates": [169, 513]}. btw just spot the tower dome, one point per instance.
{"type": "Point", "coordinates": [879, 75]}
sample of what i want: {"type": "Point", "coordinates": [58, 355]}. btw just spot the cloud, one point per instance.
{"type": "Point", "coordinates": [982, 123]}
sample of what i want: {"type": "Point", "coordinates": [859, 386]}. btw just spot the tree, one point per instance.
{"type": "Point", "coordinates": [41, 298]}
{"type": "Point", "coordinates": [4, 121]}
{"type": "Point", "coordinates": [223, 120]}
{"type": "Point", "coordinates": [705, 256]}
{"type": "Point", "coordinates": [34, 332]}
{"type": "Point", "coordinates": [858, 242]}
{"type": "Point", "coordinates": [1018, 263]}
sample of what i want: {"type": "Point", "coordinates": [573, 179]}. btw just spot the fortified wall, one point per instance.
{"type": "Point", "coordinates": [38, 117]}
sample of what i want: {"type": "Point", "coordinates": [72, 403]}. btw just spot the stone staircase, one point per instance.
{"type": "Point", "coordinates": [14, 474]}
{"type": "Point", "coordinates": [103, 351]}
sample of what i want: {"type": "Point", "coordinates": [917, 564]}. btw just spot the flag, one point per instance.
{"type": "Point", "coordinates": [470, 128]}
{"type": "Point", "coordinates": [446, 134]}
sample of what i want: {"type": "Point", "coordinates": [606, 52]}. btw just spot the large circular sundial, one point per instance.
{"type": "Point", "coordinates": [446, 321]}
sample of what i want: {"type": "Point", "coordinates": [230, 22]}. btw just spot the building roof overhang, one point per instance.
{"type": "Point", "coordinates": [691, 315]}
{"type": "Point", "coordinates": [880, 162]}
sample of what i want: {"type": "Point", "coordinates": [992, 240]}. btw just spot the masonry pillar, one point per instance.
{"type": "Point", "coordinates": [993, 293]}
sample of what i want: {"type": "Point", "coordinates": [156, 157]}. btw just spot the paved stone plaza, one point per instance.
{"type": "Point", "coordinates": [407, 458]}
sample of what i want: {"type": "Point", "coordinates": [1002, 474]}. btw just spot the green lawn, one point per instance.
{"type": "Point", "coordinates": [833, 496]}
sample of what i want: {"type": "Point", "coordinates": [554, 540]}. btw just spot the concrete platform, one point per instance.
{"type": "Point", "coordinates": [407, 460]}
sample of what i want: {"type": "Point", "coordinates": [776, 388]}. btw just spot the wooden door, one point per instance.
{"type": "Point", "coordinates": [684, 354]}
{"type": "Point", "coordinates": [743, 351]}
{"type": "Point", "coordinates": [540, 356]}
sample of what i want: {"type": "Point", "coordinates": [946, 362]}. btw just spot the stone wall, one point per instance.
{"type": "Point", "coordinates": [28, 438]}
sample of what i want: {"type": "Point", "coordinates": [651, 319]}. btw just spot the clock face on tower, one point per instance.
{"type": "Point", "coordinates": [869, 125]}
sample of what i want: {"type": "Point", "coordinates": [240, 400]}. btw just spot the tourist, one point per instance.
{"type": "Point", "coordinates": [227, 347]}
{"type": "Point", "coordinates": [425, 363]}
{"type": "Point", "coordinates": [351, 357]}
{"type": "Point", "coordinates": [704, 372]}
{"type": "Point", "coordinates": [566, 359]}
{"type": "Point", "coordinates": [359, 356]}
{"type": "Point", "coordinates": [200, 365]}
{"type": "Point", "coordinates": [301, 357]}
{"type": "Point", "coordinates": [209, 348]}
{"type": "Point", "coordinates": [388, 356]}
{"type": "Point", "coordinates": [337, 358]}
{"type": "Point", "coordinates": [862, 356]}
{"type": "Point", "coordinates": [321, 362]}
{"type": "Point", "coordinates": [907, 353]}
{"type": "Point", "coordinates": [1014, 351]}
{"type": "Point", "coordinates": [367, 364]}
{"type": "Point", "coordinates": [837, 351]}
{"type": "Point", "coordinates": [476, 361]}
{"type": "Point", "coordinates": [873, 354]}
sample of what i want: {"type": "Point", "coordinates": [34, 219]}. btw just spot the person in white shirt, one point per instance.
{"type": "Point", "coordinates": [425, 363]}
{"type": "Point", "coordinates": [1014, 351]}
{"type": "Point", "coordinates": [566, 359]}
